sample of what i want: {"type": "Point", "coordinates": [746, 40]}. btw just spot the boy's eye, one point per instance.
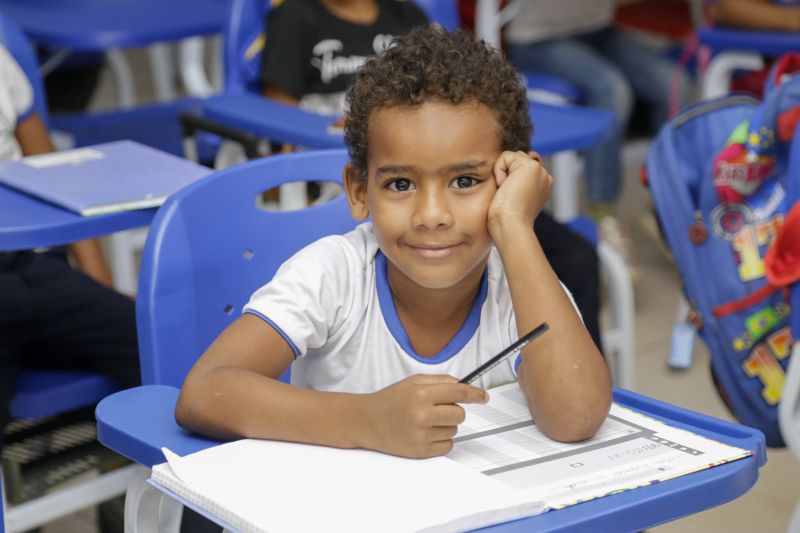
{"type": "Point", "coordinates": [399, 185]}
{"type": "Point", "coordinates": [463, 182]}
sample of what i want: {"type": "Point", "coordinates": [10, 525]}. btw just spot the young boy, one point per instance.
{"type": "Point", "coordinates": [381, 322]}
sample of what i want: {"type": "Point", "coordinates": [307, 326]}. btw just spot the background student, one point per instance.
{"type": "Point", "coordinates": [314, 47]}
{"type": "Point", "coordinates": [380, 322]}
{"type": "Point", "coordinates": [53, 315]}
{"type": "Point", "coordinates": [575, 40]}
{"type": "Point", "coordinates": [778, 15]}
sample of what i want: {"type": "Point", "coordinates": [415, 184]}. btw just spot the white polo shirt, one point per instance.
{"type": "Point", "coordinates": [332, 303]}
{"type": "Point", "coordinates": [16, 103]}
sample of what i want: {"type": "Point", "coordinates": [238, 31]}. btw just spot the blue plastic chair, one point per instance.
{"type": "Point", "coordinates": [99, 127]}
{"type": "Point", "coordinates": [210, 247]}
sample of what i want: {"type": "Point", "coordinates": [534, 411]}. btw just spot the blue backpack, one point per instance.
{"type": "Point", "coordinates": [719, 175]}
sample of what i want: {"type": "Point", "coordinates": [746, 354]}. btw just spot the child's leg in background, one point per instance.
{"type": "Point", "coordinates": [576, 264]}
{"type": "Point", "coordinates": [650, 72]}
{"type": "Point", "coordinates": [15, 333]}
{"type": "Point", "coordinates": [52, 316]}
{"type": "Point", "coordinates": [603, 85]}
{"type": "Point", "coordinates": [80, 324]}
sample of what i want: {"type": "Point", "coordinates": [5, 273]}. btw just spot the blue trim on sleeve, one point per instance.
{"type": "Point", "coordinates": [279, 330]}
{"type": "Point", "coordinates": [389, 311]}
{"type": "Point", "coordinates": [24, 116]}
{"type": "Point", "coordinates": [517, 363]}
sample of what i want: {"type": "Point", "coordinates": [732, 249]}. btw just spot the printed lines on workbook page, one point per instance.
{"type": "Point", "coordinates": [501, 436]}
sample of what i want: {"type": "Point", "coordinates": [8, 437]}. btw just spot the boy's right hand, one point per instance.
{"type": "Point", "coordinates": [418, 416]}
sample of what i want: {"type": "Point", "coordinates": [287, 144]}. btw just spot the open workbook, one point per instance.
{"type": "Point", "coordinates": [501, 468]}
{"type": "Point", "coordinates": [102, 179]}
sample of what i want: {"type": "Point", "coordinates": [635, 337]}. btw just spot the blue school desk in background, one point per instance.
{"type": "Point", "coordinates": [199, 270]}
{"type": "Point", "coordinates": [740, 50]}
{"type": "Point", "coordinates": [26, 223]}
{"type": "Point", "coordinates": [101, 26]}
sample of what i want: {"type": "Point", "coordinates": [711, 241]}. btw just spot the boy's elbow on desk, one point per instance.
{"type": "Point", "coordinates": [575, 424]}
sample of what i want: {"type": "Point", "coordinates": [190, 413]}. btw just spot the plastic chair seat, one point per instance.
{"type": "Point", "coordinates": [547, 83]}
{"type": "Point", "coordinates": [43, 393]}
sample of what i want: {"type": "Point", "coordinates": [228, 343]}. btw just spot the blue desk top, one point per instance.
{"type": "Point", "coordinates": [556, 128]}
{"type": "Point", "coordinates": [94, 25]}
{"type": "Point", "coordinates": [138, 422]}
{"type": "Point", "coordinates": [27, 223]}
{"type": "Point", "coordinates": [769, 43]}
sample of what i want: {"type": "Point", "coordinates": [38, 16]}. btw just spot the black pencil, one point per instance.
{"type": "Point", "coordinates": [494, 361]}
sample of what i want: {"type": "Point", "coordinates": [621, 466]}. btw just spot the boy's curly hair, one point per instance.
{"type": "Point", "coordinates": [426, 64]}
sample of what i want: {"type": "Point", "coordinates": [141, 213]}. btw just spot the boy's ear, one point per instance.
{"type": "Point", "coordinates": [355, 186]}
{"type": "Point", "coordinates": [535, 156]}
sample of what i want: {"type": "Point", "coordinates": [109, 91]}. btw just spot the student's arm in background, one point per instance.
{"type": "Point", "coordinates": [756, 15]}
{"type": "Point", "coordinates": [32, 137]}
{"type": "Point", "coordinates": [563, 375]}
{"type": "Point", "coordinates": [279, 94]}
{"type": "Point", "coordinates": [233, 392]}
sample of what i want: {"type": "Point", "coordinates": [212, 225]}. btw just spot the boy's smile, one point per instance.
{"type": "Point", "coordinates": [429, 187]}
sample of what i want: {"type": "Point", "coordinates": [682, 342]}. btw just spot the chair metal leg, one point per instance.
{"type": "Point", "coordinates": [147, 509]}
{"type": "Point", "coordinates": [566, 169]}
{"type": "Point", "coordinates": [162, 68]}
{"type": "Point", "coordinates": [65, 501]}
{"type": "Point", "coordinates": [4, 508]}
{"type": "Point", "coordinates": [122, 248]}
{"type": "Point", "coordinates": [717, 77]}
{"type": "Point", "coordinates": [620, 340]}
{"type": "Point", "coordinates": [789, 407]}
{"type": "Point", "coordinates": [794, 522]}
{"type": "Point", "coordinates": [193, 73]}
{"type": "Point", "coordinates": [123, 75]}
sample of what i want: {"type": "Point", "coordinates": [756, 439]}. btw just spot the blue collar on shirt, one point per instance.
{"type": "Point", "coordinates": [389, 311]}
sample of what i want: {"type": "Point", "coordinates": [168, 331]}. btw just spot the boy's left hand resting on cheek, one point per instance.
{"type": "Point", "coordinates": [523, 190]}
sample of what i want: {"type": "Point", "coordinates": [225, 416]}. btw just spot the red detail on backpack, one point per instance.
{"type": "Point", "coordinates": [735, 177]}
{"type": "Point", "coordinates": [782, 261]}
{"type": "Point", "coordinates": [787, 123]}
{"type": "Point", "coordinates": [743, 303]}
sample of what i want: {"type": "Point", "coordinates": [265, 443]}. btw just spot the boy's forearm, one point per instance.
{"type": "Point", "coordinates": [230, 402]}
{"type": "Point", "coordinates": [756, 15]}
{"type": "Point", "coordinates": [89, 257]}
{"type": "Point", "coordinates": [564, 376]}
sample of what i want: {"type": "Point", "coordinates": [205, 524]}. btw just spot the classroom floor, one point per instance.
{"type": "Point", "coordinates": [768, 506]}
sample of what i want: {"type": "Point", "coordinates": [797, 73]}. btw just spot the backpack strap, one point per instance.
{"type": "Point", "coordinates": [750, 300]}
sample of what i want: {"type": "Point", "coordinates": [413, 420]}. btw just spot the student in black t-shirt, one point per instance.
{"type": "Point", "coordinates": [313, 47]}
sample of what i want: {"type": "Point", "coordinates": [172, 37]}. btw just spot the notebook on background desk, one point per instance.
{"type": "Point", "coordinates": [101, 179]}
{"type": "Point", "coordinates": [501, 469]}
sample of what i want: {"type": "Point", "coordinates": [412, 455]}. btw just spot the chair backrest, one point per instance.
{"type": "Point", "coordinates": [210, 247]}
{"type": "Point", "coordinates": [443, 12]}
{"type": "Point", "coordinates": [243, 43]}
{"type": "Point", "coordinates": [20, 48]}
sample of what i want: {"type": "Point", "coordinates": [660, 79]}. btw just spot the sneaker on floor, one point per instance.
{"type": "Point", "coordinates": [611, 233]}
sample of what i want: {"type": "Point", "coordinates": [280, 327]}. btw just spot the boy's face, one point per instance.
{"type": "Point", "coordinates": [429, 186]}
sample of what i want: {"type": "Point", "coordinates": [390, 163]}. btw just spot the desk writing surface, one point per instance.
{"type": "Point", "coordinates": [555, 128]}
{"type": "Point", "coordinates": [26, 222]}
{"type": "Point", "coordinates": [104, 178]}
{"type": "Point", "coordinates": [137, 422]}
{"type": "Point", "coordinates": [95, 25]}
{"type": "Point", "coordinates": [762, 42]}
